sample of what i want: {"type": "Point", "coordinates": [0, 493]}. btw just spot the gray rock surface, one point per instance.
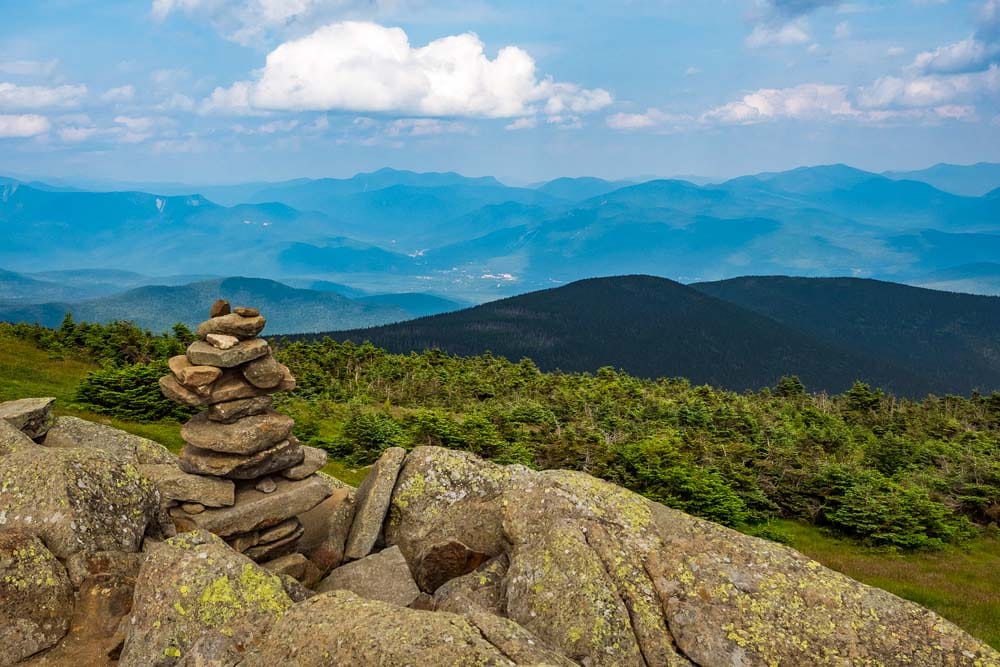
{"type": "Point", "coordinates": [68, 432]}
{"type": "Point", "coordinates": [193, 588]}
{"type": "Point", "coordinates": [313, 459]}
{"type": "Point", "coordinates": [232, 325]}
{"type": "Point", "coordinates": [381, 576]}
{"type": "Point", "coordinates": [265, 372]}
{"type": "Point", "coordinates": [201, 354]}
{"type": "Point", "coordinates": [326, 528]}
{"type": "Point", "coordinates": [246, 436]}
{"type": "Point", "coordinates": [36, 598]}
{"type": "Point", "coordinates": [241, 466]}
{"type": "Point", "coordinates": [12, 439]}
{"type": "Point", "coordinates": [31, 416]}
{"type": "Point", "coordinates": [372, 503]}
{"type": "Point", "coordinates": [221, 341]}
{"type": "Point", "coordinates": [175, 484]}
{"type": "Point", "coordinates": [197, 378]}
{"type": "Point", "coordinates": [230, 411]}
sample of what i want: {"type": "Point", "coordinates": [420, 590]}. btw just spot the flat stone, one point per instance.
{"type": "Point", "coordinates": [312, 460]}
{"type": "Point", "coordinates": [193, 508]}
{"type": "Point", "coordinates": [279, 532]}
{"type": "Point", "coordinates": [246, 436]}
{"type": "Point", "coordinates": [31, 416]}
{"type": "Point", "coordinates": [178, 393]}
{"type": "Point", "coordinates": [232, 386]}
{"type": "Point", "coordinates": [219, 308]}
{"type": "Point", "coordinates": [327, 526]}
{"type": "Point", "coordinates": [372, 503]}
{"type": "Point", "coordinates": [294, 565]}
{"type": "Point", "coordinates": [202, 462]}
{"type": "Point", "coordinates": [381, 576]}
{"type": "Point", "coordinates": [232, 325]}
{"type": "Point", "coordinates": [200, 353]}
{"type": "Point", "coordinates": [176, 484]}
{"type": "Point", "coordinates": [221, 341]}
{"type": "Point", "coordinates": [246, 312]}
{"type": "Point", "coordinates": [68, 432]}
{"type": "Point", "coordinates": [270, 550]}
{"type": "Point", "coordinates": [243, 542]}
{"type": "Point", "coordinates": [36, 598]}
{"type": "Point", "coordinates": [254, 510]}
{"type": "Point", "coordinates": [265, 485]}
{"type": "Point", "coordinates": [230, 411]}
{"type": "Point", "coordinates": [197, 378]}
{"type": "Point", "coordinates": [265, 372]}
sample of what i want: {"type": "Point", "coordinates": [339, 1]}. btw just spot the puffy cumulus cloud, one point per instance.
{"type": "Point", "coordinates": [23, 125]}
{"type": "Point", "coordinates": [366, 67]}
{"type": "Point", "coordinates": [14, 97]}
{"type": "Point", "coordinates": [805, 101]}
{"type": "Point", "coordinates": [975, 53]}
{"type": "Point", "coordinates": [924, 91]}
{"type": "Point", "coordinates": [780, 34]}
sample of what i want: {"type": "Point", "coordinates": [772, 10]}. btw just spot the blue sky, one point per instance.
{"type": "Point", "coordinates": [231, 90]}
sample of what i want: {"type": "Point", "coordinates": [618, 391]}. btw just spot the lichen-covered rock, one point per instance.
{"type": "Point", "coordinates": [76, 500]}
{"type": "Point", "coordinates": [313, 459]}
{"type": "Point", "coordinates": [36, 598]}
{"type": "Point", "coordinates": [31, 416]}
{"type": "Point", "coordinates": [483, 586]}
{"type": "Point", "coordinates": [345, 629]}
{"type": "Point", "coordinates": [241, 466]}
{"type": "Point", "coordinates": [444, 561]}
{"type": "Point", "coordinates": [246, 436]}
{"type": "Point", "coordinates": [371, 503]}
{"type": "Point", "coordinates": [68, 432]}
{"type": "Point", "coordinates": [381, 576]}
{"type": "Point", "coordinates": [175, 484]}
{"type": "Point", "coordinates": [12, 439]}
{"type": "Point", "coordinates": [195, 588]}
{"type": "Point", "coordinates": [607, 577]}
{"type": "Point", "coordinates": [326, 528]}
{"type": "Point", "coordinates": [253, 510]}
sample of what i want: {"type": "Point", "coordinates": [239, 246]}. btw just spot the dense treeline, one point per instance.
{"type": "Point", "coordinates": [890, 472]}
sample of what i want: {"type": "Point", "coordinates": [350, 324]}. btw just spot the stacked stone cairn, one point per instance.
{"type": "Point", "coordinates": [251, 478]}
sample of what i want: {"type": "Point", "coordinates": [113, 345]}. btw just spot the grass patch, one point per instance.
{"type": "Point", "coordinates": [345, 473]}
{"type": "Point", "coordinates": [960, 583]}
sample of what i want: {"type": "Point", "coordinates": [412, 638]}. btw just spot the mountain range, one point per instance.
{"type": "Point", "coordinates": [742, 334]}
{"type": "Point", "coordinates": [476, 239]}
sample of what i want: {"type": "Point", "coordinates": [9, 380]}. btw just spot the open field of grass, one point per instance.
{"type": "Point", "coordinates": [961, 584]}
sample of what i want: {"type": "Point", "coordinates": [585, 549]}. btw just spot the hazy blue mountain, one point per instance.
{"type": "Point", "coordinates": [972, 180]}
{"type": "Point", "coordinates": [578, 189]}
{"type": "Point", "coordinates": [950, 339]}
{"type": "Point", "coordinates": [342, 255]}
{"type": "Point", "coordinates": [157, 307]}
{"type": "Point", "coordinates": [648, 326]}
{"type": "Point", "coordinates": [328, 286]}
{"type": "Point", "coordinates": [975, 278]}
{"type": "Point", "coordinates": [415, 304]}
{"type": "Point", "coordinates": [16, 288]}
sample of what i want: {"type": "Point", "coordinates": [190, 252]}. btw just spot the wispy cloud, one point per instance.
{"type": "Point", "coordinates": [23, 125]}
{"type": "Point", "coordinates": [14, 97]}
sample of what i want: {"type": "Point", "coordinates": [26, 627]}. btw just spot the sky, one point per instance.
{"type": "Point", "coordinates": [222, 91]}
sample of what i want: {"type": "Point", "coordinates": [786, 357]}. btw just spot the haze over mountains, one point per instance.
{"type": "Point", "coordinates": [477, 239]}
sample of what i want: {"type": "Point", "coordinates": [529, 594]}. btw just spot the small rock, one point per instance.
{"type": "Point", "coordinates": [233, 386]}
{"type": "Point", "coordinates": [381, 576]}
{"type": "Point", "coordinates": [327, 526]}
{"type": "Point", "coordinates": [178, 393]}
{"type": "Point", "coordinates": [243, 542]}
{"type": "Point", "coordinates": [221, 341]}
{"type": "Point", "coordinates": [266, 485]}
{"type": "Point", "coordinates": [372, 503]}
{"type": "Point", "coordinates": [294, 565]}
{"type": "Point", "coordinates": [36, 599]}
{"type": "Point", "coordinates": [243, 311]}
{"type": "Point", "coordinates": [313, 459]}
{"type": "Point", "coordinates": [201, 353]}
{"type": "Point", "coordinates": [230, 411]}
{"type": "Point", "coordinates": [31, 416]}
{"type": "Point", "coordinates": [193, 377]}
{"type": "Point", "coordinates": [219, 308]}
{"type": "Point", "coordinates": [240, 466]}
{"type": "Point", "coordinates": [294, 589]}
{"type": "Point", "coordinates": [271, 550]}
{"type": "Point", "coordinates": [279, 532]}
{"type": "Point", "coordinates": [176, 484]}
{"type": "Point", "coordinates": [193, 508]}
{"type": "Point", "coordinates": [232, 325]}
{"type": "Point", "coordinates": [265, 372]}
{"type": "Point", "coordinates": [246, 436]}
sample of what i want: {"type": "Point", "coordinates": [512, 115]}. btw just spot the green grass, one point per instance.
{"type": "Point", "coordinates": [960, 583]}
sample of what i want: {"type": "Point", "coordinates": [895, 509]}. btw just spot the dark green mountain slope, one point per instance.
{"type": "Point", "coordinates": [648, 326]}
{"type": "Point", "coordinates": [951, 339]}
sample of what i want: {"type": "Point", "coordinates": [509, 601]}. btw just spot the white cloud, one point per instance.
{"type": "Point", "coordinates": [781, 34]}
{"type": "Point", "coordinates": [13, 96]}
{"type": "Point", "coordinates": [361, 66]}
{"type": "Point", "coordinates": [805, 101]}
{"type": "Point", "coordinates": [637, 121]}
{"type": "Point", "coordinates": [692, 71]}
{"type": "Point", "coordinates": [24, 125]}
{"type": "Point", "coordinates": [525, 123]}
{"type": "Point", "coordinates": [970, 54]}
{"type": "Point", "coordinates": [40, 68]}
{"type": "Point", "coordinates": [895, 51]}
{"type": "Point", "coordinates": [75, 134]}
{"type": "Point", "coordinates": [136, 129]}
{"type": "Point", "coordinates": [932, 90]}
{"type": "Point", "coordinates": [422, 127]}
{"type": "Point", "coordinates": [842, 30]}
{"type": "Point", "coordinates": [119, 94]}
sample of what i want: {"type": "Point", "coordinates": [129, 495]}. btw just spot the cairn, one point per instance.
{"type": "Point", "coordinates": [253, 478]}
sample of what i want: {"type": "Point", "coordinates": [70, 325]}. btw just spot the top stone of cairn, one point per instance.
{"type": "Point", "coordinates": [232, 324]}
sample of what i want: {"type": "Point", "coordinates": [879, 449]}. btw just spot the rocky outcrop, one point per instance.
{"type": "Point", "coordinates": [381, 576]}
{"type": "Point", "coordinates": [70, 432]}
{"type": "Point", "coordinates": [372, 502]}
{"type": "Point", "coordinates": [31, 416]}
{"type": "Point", "coordinates": [194, 588]}
{"type": "Point", "coordinates": [239, 439]}
{"type": "Point", "coordinates": [36, 599]}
